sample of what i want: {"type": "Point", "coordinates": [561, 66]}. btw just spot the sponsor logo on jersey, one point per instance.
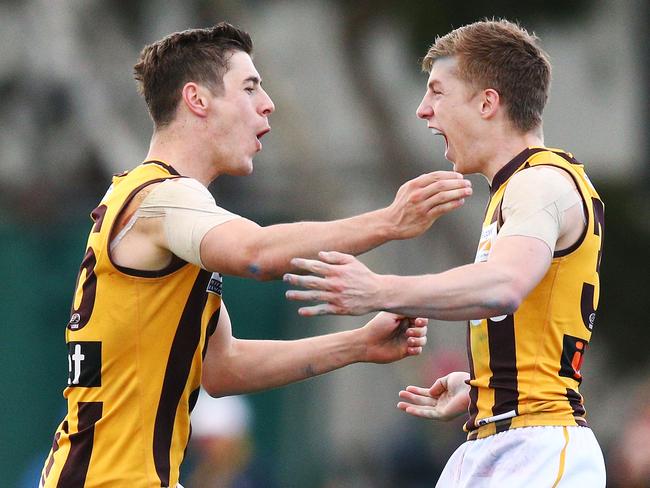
{"type": "Point", "coordinates": [215, 284]}
{"type": "Point", "coordinates": [85, 364]}
{"type": "Point", "coordinates": [75, 318]}
{"type": "Point", "coordinates": [488, 236]}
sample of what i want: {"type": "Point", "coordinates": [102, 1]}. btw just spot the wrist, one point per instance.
{"type": "Point", "coordinates": [358, 341]}
{"type": "Point", "coordinates": [386, 295]}
{"type": "Point", "coordinates": [385, 224]}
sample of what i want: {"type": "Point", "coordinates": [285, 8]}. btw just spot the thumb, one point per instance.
{"type": "Point", "coordinates": [439, 387]}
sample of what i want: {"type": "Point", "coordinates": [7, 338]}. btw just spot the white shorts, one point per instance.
{"type": "Point", "coordinates": [530, 457]}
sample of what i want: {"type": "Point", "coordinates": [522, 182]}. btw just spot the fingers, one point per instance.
{"type": "Point", "coordinates": [335, 257]}
{"type": "Point", "coordinates": [427, 179]}
{"type": "Point", "coordinates": [413, 351]}
{"type": "Point", "coordinates": [452, 198]}
{"type": "Point", "coordinates": [417, 411]}
{"type": "Point", "coordinates": [416, 390]}
{"type": "Point", "coordinates": [312, 265]}
{"type": "Point", "coordinates": [440, 209]}
{"type": "Point", "coordinates": [416, 342]}
{"type": "Point", "coordinates": [415, 330]}
{"type": "Point", "coordinates": [308, 295]}
{"type": "Point", "coordinates": [417, 322]}
{"type": "Point", "coordinates": [450, 187]}
{"type": "Point", "coordinates": [414, 399]}
{"type": "Point", "coordinates": [416, 335]}
{"type": "Point", "coordinates": [307, 281]}
{"type": "Point", "coordinates": [322, 309]}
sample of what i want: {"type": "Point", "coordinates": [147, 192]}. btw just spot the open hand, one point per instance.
{"type": "Point", "coordinates": [421, 201]}
{"type": "Point", "coordinates": [447, 398]}
{"type": "Point", "coordinates": [346, 285]}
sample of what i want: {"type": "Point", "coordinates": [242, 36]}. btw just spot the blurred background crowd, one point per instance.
{"type": "Point", "coordinates": [345, 79]}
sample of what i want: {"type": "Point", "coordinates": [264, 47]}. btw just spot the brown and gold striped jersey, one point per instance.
{"type": "Point", "coordinates": [525, 367]}
{"type": "Point", "coordinates": [136, 341]}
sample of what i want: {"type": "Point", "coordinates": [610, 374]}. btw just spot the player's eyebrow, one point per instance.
{"type": "Point", "coordinates": [433, 84]}
{"type": "Point", "coordinates": [256, 80]}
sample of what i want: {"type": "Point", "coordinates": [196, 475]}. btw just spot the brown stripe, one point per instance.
{"type": "Point", "coordinates": [50, 461]}
{"type": "Point", "coordinates": [176, 262]}
{"type": "Point", "coordinates": [210, 328]}
{"type": "Point", "coordinates": [599, 227]}
{"type": "Point", "coordinates": [98, 217]}
{"type": "Point", "coordinates": [509, 169]}
{"type": "Point", "coordinates": [568, 157]}
{"type": "Point", "coordinates": [76, 465]}
{"type": "Point", "coordinates": [473, 391]}
{"type": "Point", "coordinates": [186, 340]}
{"type": "Point", "coordinates": [169, 168]}
{"type": "Point", "coordinates": [503, 364]}
{"type": "Point", "coordinates": [575, 400]}
{"type": "Point", "coordinates": [79, 317]}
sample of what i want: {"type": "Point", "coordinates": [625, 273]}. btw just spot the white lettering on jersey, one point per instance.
{"type": "Point", "coordinates": [74, 364]}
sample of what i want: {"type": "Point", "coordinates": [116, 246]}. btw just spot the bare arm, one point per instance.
{"type": "Point", "coordinates": [515, 266]}
{"type": "Point", "coordinates": [234, 366]}
{"type": "Point", "coordinates": [518, 260]}
{"type": "Point", "coordinates": [242, 248]}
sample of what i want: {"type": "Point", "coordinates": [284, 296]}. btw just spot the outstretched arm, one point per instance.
{"type": "Point", "coordinates": [233, 366]}
{"type": "Point", "coordinates": [242, 248]}
{"type": "Point", "coordinates": [542, 212]}
{"type": "Point", "coordinates": [515, 265]}
{"type": "Point", "coordinates": [447, 398]}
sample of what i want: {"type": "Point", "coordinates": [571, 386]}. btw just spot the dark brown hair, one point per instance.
{"type": "Point", "coordinates": [501, 55]}
{"type": "Point", "coordinates": [199, 55]}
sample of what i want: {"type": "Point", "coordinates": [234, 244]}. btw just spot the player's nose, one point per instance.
{"type": "Point", "coordinates": [424, 110]}
{"type": "Point", "coordinates": [267, 107]}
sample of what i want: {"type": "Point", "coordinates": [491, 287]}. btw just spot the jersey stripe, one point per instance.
{"type": "Point", "coordinates": [211, 327]}
{"type": "Point", "coordinates": [186, 340]}
{"type": "Point", "coordinates": [74, 471]}
{"type": "Point", "coordinates": [503, 364]}
{"type": "Point", "coordinates": [473, 391]}
{"type": "Point", "coordinates": [50, 461]}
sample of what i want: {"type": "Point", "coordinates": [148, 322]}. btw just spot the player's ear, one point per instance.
{"type": "Point", "coordinates": [195, 98]}
{"type": "Point", "coordinates": [490, 102]}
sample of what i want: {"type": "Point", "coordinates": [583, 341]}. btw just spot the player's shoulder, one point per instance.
{"type": "Point", "coordinates": [175, 190]}
{"type": "Point", "coordinates": [541, 179]}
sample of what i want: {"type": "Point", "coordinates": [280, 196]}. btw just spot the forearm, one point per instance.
{"type": "Point", "coordinates": [254, 365]}
{"type": "Point", "coordinates": [469, 292]}
{"type": "Point", "coordinates": [276, 245]}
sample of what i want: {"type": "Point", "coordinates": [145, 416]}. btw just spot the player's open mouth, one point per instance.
{"type": "Point", "coordinates": [437, 132]}
{"type": "Point", "coordinates": [259, 136]}
{"type": "Point", "coordinates": [263, 133]}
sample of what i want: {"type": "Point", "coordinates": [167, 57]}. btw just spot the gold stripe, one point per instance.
{"type": "Point", "coordinates": [562, 457]}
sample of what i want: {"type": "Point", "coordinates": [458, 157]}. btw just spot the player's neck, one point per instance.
{"type": "Point", "coordinates": [504, 147]}
{"type": "Point", "coordinates": [184, 154]}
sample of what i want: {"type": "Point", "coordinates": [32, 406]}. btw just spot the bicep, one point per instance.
{"type": "Point", "coordinates": [524, 259]}
{"type": "Point", "coordinates": [227, 247]}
